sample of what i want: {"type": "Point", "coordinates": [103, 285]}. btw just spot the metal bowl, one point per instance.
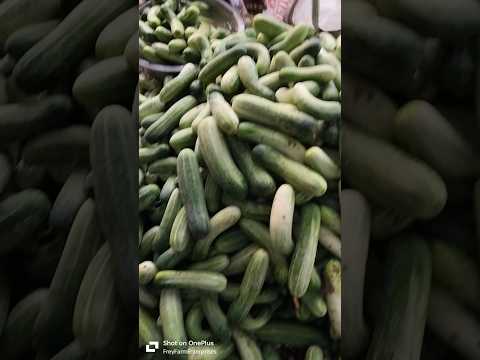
{"type": "Point", "coordinates": [220, 13]}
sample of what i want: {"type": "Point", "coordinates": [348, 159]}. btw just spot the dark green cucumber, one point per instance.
{"type": "Point", "coordinates": [213, 195]}
{"type": "Point", "coordinates": [291, 333]}
{"type": "Point", "coordinates": [193, 324]}
{"type": "Point", "coordinates": [82, 244]}
{"type": "Point", "coordinates": [239, 261]}
{"type": "Point", "coordinates": [201, 280]}
{"type": "Point", "coordinates": [216, 317]}
{"type": "Point", "coordinates": [22, 120]}
{"type": "Point", "coordinates": [309, 47]}
{"type": "Point", "coordinates": [19, 42]}
{"type": "Point", "coordinates": [21, 216]}
{"type": "Point", "coordinates": [109, 81]}
{"type": "Point", "coordinates": [113, 143]}
{"type": "Point", "coordinates": [16, 341]}
{"type": "Point", "coordinates": [115, 36]}
{"type": "Point", "coordinates": [257, 211]}
{"type": "Point", "coordinates": [173, 207]}
{"type": "Point", "coordinates": [180, 236]}
{"type": "Point", "coordinates": [192, 192]}
{"type": "Point", "coordinates": [250, 287]}
{"type": "Point", "coordinates": [260, 182]}
{"type": "Point", "coordinates": [221, 63]}
{"type": "Point", "coordinates": [179, 84]}
{"type": "Point", "coordinates": [148, 196]}
{"type": "Point", "coordinates": [70, 42]}
{"type": "Point", "coordinates": [230, 242]}
{"type": "Point", "coordinates": [267, 296]}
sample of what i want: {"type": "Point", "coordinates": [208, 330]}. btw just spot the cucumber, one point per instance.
{"type": "Point", "coordinates": [180, 237]}
{"type": "Point", "coordinates": [309, 47]}
{"type": "Point", "coordinates": [147, 155]}
{"type": "Point", "coordinates": [260, 53]}
{"type": "Point", "coordinates": [440, 145]}
{"type": "Point", "coordinates": [333, 278]}
{"type": "Point", "coordinates": [415, 188]}
{"type": "Point", "coordinates": [170, 119]}
{"type": "Point", "coordinates": [306, 61]}
{"type": "Point", "coordinates": [219, 161]}
{"type": "Point", "coordinates": [179, 84]}
{"type": "Point", "coordinates": [113, 143]}
{"type": "Point", "coordinates": [249, 77]}
{"type": "Point", "coordinates": [213, 195]}
{"type": "Point", "coordinates": [216, 318]}
{"type": "Point", "coordinates": [246, 346]}
{"type": "Point", "coordinates": [21, 215]}
{"type": "Point", "coordinates": [114, 37]}
{"type": "Point", "coordinates": [163, 34]}
{"type": "Point", "coordinates": [330, 218]}
{"type": "Point", "coordinates": [320, 161]}
{"type": "Point", "coordinates": [22, 120]}
{"type": "Point", "coordinates": [192, 192]}
{"type": "Point", "coordinates": [20, 41]}
{"type": "Point", "coordinates": [16, 341]}
{"type": "Point", "coordinates": [254, 323]}
{"type": "Point", "coordinates": [183, 139]}
{"type": "Point", "coordinates": [171, 315]}
{"type": "Point", "coordinates": [97, 305]}
{"type": "Point", "coordinates": [259, 181]}
{"type": "Point", "coordinates": [281, 219]}
{"type": "Point", "coordinates": [50, 57]}
{"type": "Point", "coordinates": [250, 287]}
{"type": "Point", "coordinates": [204, 113]}
{"type": "Point", "coordinates": [269, 25]}
{"type": "Point", "coordinates": [281, 332]}
{"type": "Point", "coordinates": [217, 263]}
{"type": "Point", "coordinates": [294, 37]}
{"type": "Point", "coordinates": [285, 95]}
{"type": "Point", "coordinates": [330, 93]}
{"type": "Point", "coordinates": [68, 201]}
{"type": "Point", "coordinates": [299, 176]}
{"type": "Point", "coordinates": [170, 258]}
{"type": "Point", "coordinates": [231, 84]}
{"type": "Point", "coordinates": [201, 280]}
{"type": "Point", "coordinates": [314, 353]}
{"type": "Point", "coordinates": [220, 222]}
{"type": "Point", "coordinates": [250, 209]}
{"type": "Point", "coordinates": [161, 53]}
{"type": "Point", "coordinates": [280, 60]}
{"type": "Point", "coordinates": [259, 134]}
{"type": "Point", "coordinates": [150, 106]}
{"type": "Point", "coordinates": [176, 26]}
{"type": "Point", "coordinates": [320, 73]}
{"type": "Point", "coordinates": [176, 46]}
{"type": "Point", "coordinates": [187, 119]}
{"type": "Point", "coordinates": [272, 80]}
{"type": "Point", "coordinates": [146, 272]}
{"type": "Point", "coordinates": [221, 63]}
{"type": "Point", "coordinates": [147, 240]}
{"type": "Point", "coordinates": [303, 260]}
{"type": "Point", "coordinates": [230, 242]}
{"type": "Point", "coordinates": [147, 196]}
{"type": "Point", "coordinates": [164, 167]}
{"type": "Point", "coordinates": [226, 118]}
{"type": "Point", "coordinates": [193, 324]}
{"type": "Point", "coordinates": [147, 329]}
{"type": "Point", "coordinates": [269, 113]}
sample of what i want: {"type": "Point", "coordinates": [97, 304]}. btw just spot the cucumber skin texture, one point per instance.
{"type": "Point", "coordinates": [180, 236]}
{"type": "Point", "coordinates": [179, 83]}
{"type": "Point", "coordinates": [68, 44]}
{"type": "Point", "coordinates": [260, 182]}
{"type": "Point", "coordinates": [280, 332]}
{"type": "Point", "coordinates": [311, 47]}
{"type": "Point", "coordinates": [171, 313]}
{"type": "Point", "coordinates": [294, 37]}
{"type": "Point", "coordinates": [115, 213]}
{"type": "Point", "coordinates": [227, 120]}
{"type": "Point", "coordinates": [19, 121]}
{"type": "Point", "coordinates": [114, 37]}
{"type": "Point", "coordinates": [246, 346]}
{"type": "Point", "coordinates": [91, 323]}
{"type": "Point", "coordinates": [321, 73]}
{"type": "Point", "coordinates": [314, 353]}
{"type": "Point", "coordinates": [303, 260]}
{"type": "Point", "coordinates": [250, 287]}
{"type": "Point", "coordinates": [16, 340]}
{"type": "Point", "coordinates": [407, 281]}
{"type": "Point", "coordinates": [213, 195]}
{"type": "Point", "coordinates": [19, 42]}
{"type": "Point", "coordinates": [268, 25]}
{"type": "Point", "coordinates": [320, 109]}
{"type": "Point", "coordinates": [414, 188]}
{"type": "Point", "coordinates": [192, 192]}
{"type": "Point", "coordinates": [216, 318]}
{"type": "Point", "coordinates": [248, 74]}
{"type": "Point", "coordinates": [221, 63]}
{"type": "Point", "coordinates": [219, 161]}
{"type": "Point", "coordinates": [174, 204]}
{"type": "Point", "coordinates": [298, 175]}
{"type": "Point", "coordinates": [271, 114]}
{"type": "Point", "coordinates": [82, 244]}
{"type": "Point", "coordinates": [281, 219]}
{"type": "Point", "coordinates": [147, 328]}
{"type": "Point", "coordinates": [21, 215]}
{"type": "Point", "coordinates": [99, 85]}
{"type": "Point", "coordinates": [230, 83]}
{"type": "Point", "coordinates": [202, 280]}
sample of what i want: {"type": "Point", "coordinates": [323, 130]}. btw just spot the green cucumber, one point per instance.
{"type": "Point", "coordinates": [146, 242]}
{"type": "Point", "coordinates": [187, 119]}
{"type": "Point", "coordinates": [254, 323]}
{"type": "Point", "coordinates": [176, 26]}
{"type": "Point", "coordinates": [213, 195]}
{"type": "Point", "coordinates": [321, 109]}
{"type": "Point", "coordinates": [291, 333]}
{"type": "Point", "coordinates": [306, 61]}
{"type": "Point", "coordinates": [114, 37]}
{"type": "Point", "coordinates": [250, 209]}
{"type": "Point", "coordinates": [320, 73]}
{"type": "Point", "coordinates": [281, 219]}
{"type": "Point", "coordinates": [309, 47]}
{"type": "Point", "coordinates": [239, 261]}
{"type": "Point", "coordinates": [180, 236]}
{"type": "Point", "coordinates": [20, 41]}
{"type": "Point", "coordinates": [285, 95]}
{"type": "Point", "coordinates": [294, 37]}
{"type": "Point", "coordinates": [259, 181]}
{"type": "Point", "coordinates": [170, 119]}
{"type": "Point", "coordinates": [330, 218]}
{"type": "Point", "coordinates": [147, 329]}
{"type": "Point", "coordinates": [147, 155]}
{"type": "Point", "coordinates": [248, 74]}
{"type": "Point", "coordinates": [163, 54]}
{"type": "Point", "coordinates": [226, 118]}
{"type": "Point", "coordinates": [230, 242]}
{"type": "Point", "coordinates": [221, 63]}
{"type": "Point", "coordinates": [164, 167]}
{"type": "Point", "coordinates": [170, 258]}
{"type": "Point", "coordinates": [231, 84]}
{"type": "Point", "coordinates": [216, 317]}
{"type": "Point", "coordinates": [272, 80]}
{"type": "Point", "coordinates": [192, 193]}
{"type": "Point", "coordinates": [269, 25]}
{"type": "Point", "coordinates": [280, 60]}
{"type": "Point", "coordinates": [314, 353]}
{"type": "Point", "coordinates": [193, 324]}
{"type": "Point", "coordinates": [259, 134]}
{"type": "Point", "coordinates": [267, 296]}
{"type": "Point", "coordinates": [171, 315]}
{"type": "Point", "coordinates": [183, 139]}
{"type": "Point", "coordinates": [147, 196]}
{"type": "Point", "coordinates": [220, 222]}
{"type": "Point", "coordinates": [260, 53]}
{"type": "Point", "coordinates": [217, 263]}
{"type": "Point", "coordinates": [176, 46]}
{"type": "Point", "coordinates": [163, 34]}
{"type": "Point", "coordinates": [331, 93]}
{"type": "Point", "coordinates": [199, 42]}
{"type": "Point", "coordinates": [246, 346]}
{"type": "Point", "coordinates": [320, 161]}
{"type": "Point", "coordinates": [299, 176]}
{"type": "Point", "coordinates": [150, 106]}
{"type": "Point", "coordinates": [303, 260]}
{"type": "Point", "coordinates": [204, 113]}
{"type": "Point", "coordinates": [178, 84]}
{"type": "Point", "coordinates": [269, 113]}
{"type": "Point", "coordinates": [201, 280]}
{"type": "Point", "coordinates": [219, 161]}
{"type": "Point", "coordinates": [146, 272]}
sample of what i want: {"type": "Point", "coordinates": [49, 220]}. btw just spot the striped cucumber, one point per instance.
{"type": "Point", "coordinates": [193, 194]}
{"type": "Point", "coordinates": [281, 332]}
{"type": "Point", "coordinates": [147, 328]}
{"type": "Point", "coordinates": [239, 261]}
{"type": "Point", "coordinates": [269, 25]}
{"type": "Point", "coordinates": [216, 318]}
{"type": "Point", "coordinates": [180, 236]}
{"type": "Point", "coordinates": [226, 118]}
{"type": "Point", "coordinates": [246, 346]}
{"type": "Point", "coordinates": [201, 280]}
{"type": "Point", "coordinates": [171, 315]}
{"type": "Point", "coordinates": [216, 263]}
{"type": "Point", "coordinates": [182, 139]}
{"type": "Point", "coordinates": [221, 63]}
{"type": "Point", "coordinates": [230, 241]}
{"type": "Point", "coordinates": [179, 84]}
{"type": "Point", "coordinates": [309, 47]}
{"type": "Point", "coordinates": [320, 161]}
{"type": "Point", "coordinates": [213, 195]}
{"type": "Point", "coordinates": [281, 219]}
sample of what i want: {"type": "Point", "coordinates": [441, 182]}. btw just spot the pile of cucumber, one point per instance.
{"type": "Point", "coordinates": [68, 193]}
{"type": "Point", "coordinates": [178, 32]}
{"type": "Point", "coordinates": [411, 189]}
{"type": "Point", "coordinates": [239, 236]}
